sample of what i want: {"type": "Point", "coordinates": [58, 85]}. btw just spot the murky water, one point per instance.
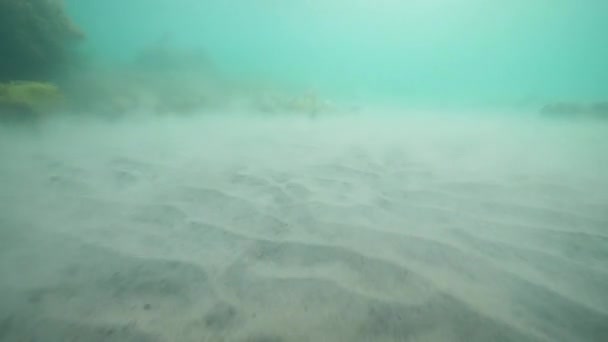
{"type": "Point", "coordinates": [303, 170]}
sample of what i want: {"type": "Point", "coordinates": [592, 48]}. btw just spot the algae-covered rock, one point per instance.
{"type": "Point", "coordinates": [563, 108]}
{"type": "Point", "coordinates": [600, 109]}
{"type": "Point", "coordinates": [27, 100]}
{"type": "Point", "coordinates": [308, 103]}
{"type": "Point", "coordinates": [576, 110]}
{"type": "Point", "coordinates": [36, 38]}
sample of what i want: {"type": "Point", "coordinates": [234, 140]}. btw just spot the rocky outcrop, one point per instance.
{"type": "Point", "coordinates": [36, 39]}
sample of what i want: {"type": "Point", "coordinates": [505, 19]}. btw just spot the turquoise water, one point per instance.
{"type": "Point", "coordinates": [438, 51]}
{"type": "Point", "coordinates": [304, 170]}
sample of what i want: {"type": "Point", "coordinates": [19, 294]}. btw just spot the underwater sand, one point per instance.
{"type": "Point", "coordinates": [382, 226]}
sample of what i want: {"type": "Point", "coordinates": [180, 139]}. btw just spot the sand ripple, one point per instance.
{"type": "Point", "coordinates": [286, 231]}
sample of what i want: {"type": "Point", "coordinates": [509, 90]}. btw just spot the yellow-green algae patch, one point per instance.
{"type": "Point", "coordinates": [28, 99]}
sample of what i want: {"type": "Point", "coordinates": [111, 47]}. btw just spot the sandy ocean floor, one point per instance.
{"type": "Point", "coordinates": [372, 227]}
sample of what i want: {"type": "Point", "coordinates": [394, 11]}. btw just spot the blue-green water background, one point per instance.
{"type": "Point", "coordinates": [413, 50]}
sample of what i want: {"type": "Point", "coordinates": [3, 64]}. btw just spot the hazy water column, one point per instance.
{"type": "Point", "coordinates": [438, 50]}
